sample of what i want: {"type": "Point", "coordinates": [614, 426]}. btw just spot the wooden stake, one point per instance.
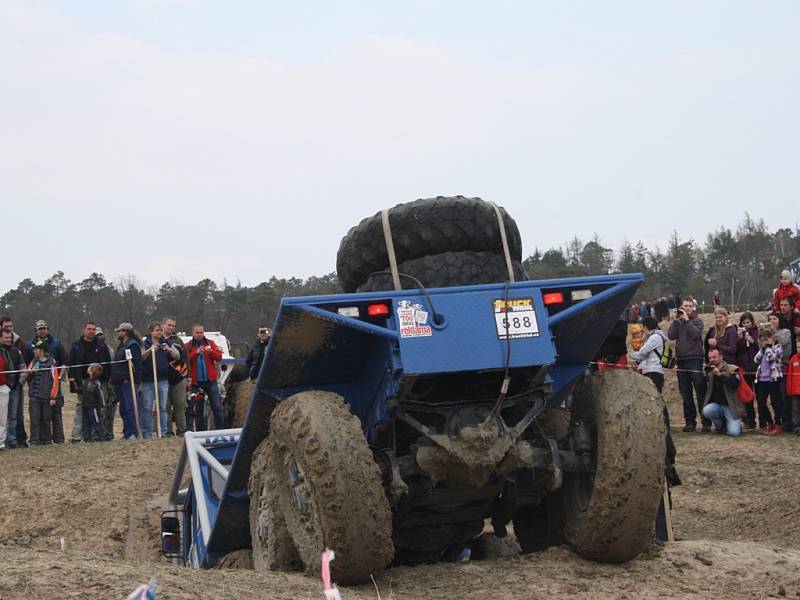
{"type": "Point", "coordinates": [668, 514]}
{"type": "Point", "coordinates": [157, 407]}
{"type": "Point", "coordinates": [129, 358]}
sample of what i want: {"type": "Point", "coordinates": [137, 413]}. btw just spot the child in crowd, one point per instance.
{"type": "Point", "coordinates": [769, 383]}
{"type": "Point", "coordinates": [93, 400]}
{"type": "Point", "coordinates": [44, 387]}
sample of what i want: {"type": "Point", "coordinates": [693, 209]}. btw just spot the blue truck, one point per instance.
{"type": "Point", "coordinates": [402, 425]}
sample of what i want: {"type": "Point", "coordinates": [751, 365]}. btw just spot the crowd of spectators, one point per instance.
{"type": "Point", "coordinates": [665, 307]}
{"type": "Point", "coordinates": [716, 367]}
{"type": "Point", "coordinates": [128, 378]}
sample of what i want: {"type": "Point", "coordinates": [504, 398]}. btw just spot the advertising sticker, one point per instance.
{"type": "Point", "coordinates": [413, 320]}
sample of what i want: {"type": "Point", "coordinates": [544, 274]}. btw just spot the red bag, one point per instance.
{"type": "Point", "coordinates": [793, 376]}
{"type": "Point", "coordinates": [744, 391]}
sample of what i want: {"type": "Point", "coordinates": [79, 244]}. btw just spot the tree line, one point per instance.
{"type": "Point", "coordinates": [236, 310]}
{"type": "Point", "coordinates": [742, 264]}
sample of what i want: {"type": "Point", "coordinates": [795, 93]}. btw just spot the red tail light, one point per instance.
{"type": "Point", "coordinates": [553, 298]}
{"type": "Point", "coordinates": [377, 310]}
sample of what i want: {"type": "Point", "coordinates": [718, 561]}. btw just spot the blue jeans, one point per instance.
{"type": "Point", "coordinates": [212, 392]}
{"type": "Point", "coordinates": [688, 380]}
{"type": "Point", "coordinates": [148, 400]}
{"type": "Point", "coordinates": [718, 413]}
{"type": "Point", "coordinates": [125, 396]}
{"type": "Point", "coordinates": [14, 414]}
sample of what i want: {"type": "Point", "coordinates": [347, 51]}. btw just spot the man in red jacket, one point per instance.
{"type": "Point", "coordinates": [203, 356]}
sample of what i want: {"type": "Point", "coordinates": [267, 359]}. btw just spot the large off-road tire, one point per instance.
{"type": "Point", "coordinates": [448, 269]}
{"type": "Point", "coordinates": [423, 227]}
{"type": "Point", "coordinates": [272, 546]}
{"type": "Point", "coordinates": [239, 395]}
{"type": "Point", "coordinates": [610, 516]}
{"type": "Point", "coordinates": [327, 487]}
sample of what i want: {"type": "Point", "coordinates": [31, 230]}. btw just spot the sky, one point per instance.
{"type": "Point", "coordinates": [176, 140]}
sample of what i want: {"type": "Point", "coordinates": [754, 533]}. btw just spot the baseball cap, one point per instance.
{"type": "Point", "coordinates": [41, 323]}
{"type": "Point", "coordinates": [124, 327]}
{"type": "Point", "coordinates": [99, 331]}
{"type": "Point", "coordinates": [40, 344]}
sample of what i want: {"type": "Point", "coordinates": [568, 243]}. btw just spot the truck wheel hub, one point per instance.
{"type": "Point", "coordinates": [298, 484]}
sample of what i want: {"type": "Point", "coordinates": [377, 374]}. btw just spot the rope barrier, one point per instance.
{"type": "Point", "coordinates": [114, 362]}
{"type": "Point", "coordinates": [110, 362]}
{"type": "Point", "coordinates": [609, 365]}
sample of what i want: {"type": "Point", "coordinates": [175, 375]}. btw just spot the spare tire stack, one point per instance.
{"type": "Point", "coordinates": [442, 241]}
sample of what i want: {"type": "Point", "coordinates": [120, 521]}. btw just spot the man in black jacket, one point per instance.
{"type": "Point", "coordinates": [54, 348]}
{"type": "Point", "coordinates": [256, 355]}
{"type": "Point", "coordinates": [84, 351]}
{"type": "Point", "coordinates": [16, 436]}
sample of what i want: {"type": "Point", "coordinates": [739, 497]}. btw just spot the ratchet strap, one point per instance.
{"type": "Point", "coordinates": [498, 211]}
{"type": "Point", "coordinates": [387, 235]}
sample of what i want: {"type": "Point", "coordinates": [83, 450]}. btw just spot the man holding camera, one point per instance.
{"type": "Point", "coordinates": [722, 404]}
{"type": "Point", "coordinates": [203, 356]}
{"type": "Point", "coordinates": [687, 332]}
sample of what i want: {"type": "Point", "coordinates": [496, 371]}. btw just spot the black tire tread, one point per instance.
{"type": "Point", "coordinates": [425, 226]}
{"type": "Point", "coordinates": [448, 269]}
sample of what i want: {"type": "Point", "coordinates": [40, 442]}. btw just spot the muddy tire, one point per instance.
{"type": "Point", "coordinates": [239, 395]}
{"type": "Point", "coordinates": [448, 269]}
{"type": "Point", "coordinates": [420, 228]}
{"type": "Point", "coordinates": [272, 546]}
{"type": "Point", "coordinates": [610, 517]}
{"type": "Point", "coordinates": [323, 480]}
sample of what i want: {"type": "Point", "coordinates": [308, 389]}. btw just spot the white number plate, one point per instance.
{"type": "Point", "coordinates": [515, 318]}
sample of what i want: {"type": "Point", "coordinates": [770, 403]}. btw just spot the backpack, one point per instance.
{"type": "Point", "coordinates": [667, 355]}
{"type": "Point", "coordinates": [793, 376]}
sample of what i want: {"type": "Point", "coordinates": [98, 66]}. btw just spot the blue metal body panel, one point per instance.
{"type": "Point", "coordinates": [313, 347]}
